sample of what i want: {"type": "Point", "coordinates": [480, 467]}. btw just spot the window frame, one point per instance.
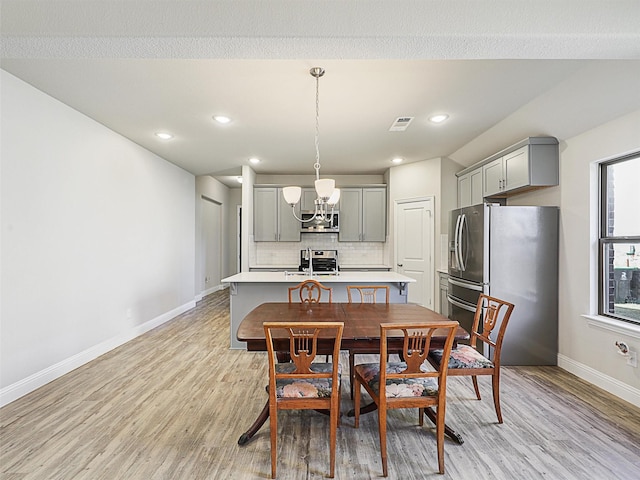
{"type": "Point", "coordinates": [604, 239]}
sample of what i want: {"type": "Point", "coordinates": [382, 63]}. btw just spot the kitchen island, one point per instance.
{"type": "Point", "coordinates": [250, 289]}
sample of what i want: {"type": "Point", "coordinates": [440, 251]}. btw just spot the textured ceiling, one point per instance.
{"type": "Point", "coordinates": [502, 70]}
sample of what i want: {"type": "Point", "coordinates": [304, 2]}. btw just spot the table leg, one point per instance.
{"type": "Point", "coordinates": [264, 415]}
{"type": "Point", "coordinates": [448, 431]}
{"type": "Point", "coordinates": [368, 408]}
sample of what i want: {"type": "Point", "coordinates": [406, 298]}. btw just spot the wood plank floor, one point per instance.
{"type": "Point", "coordinates": [172, 404]}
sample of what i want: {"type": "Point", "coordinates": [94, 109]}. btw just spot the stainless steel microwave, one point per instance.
{"type": "Point", "coordinates": [331, 225]}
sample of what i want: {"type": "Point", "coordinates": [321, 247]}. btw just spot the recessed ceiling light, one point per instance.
{"type": "Point", "coordinates": [222, 119]}
{"type": "Point", "coordinates": [397, 160]}
{"type": "Point", "coordinates": [164, 135]}
{"type": "Point", "coordinates": [239, 179]}
{"type": "Point", "coordinates": [254, 160]}
{"type": "Point", "coordinates": [439, 118]}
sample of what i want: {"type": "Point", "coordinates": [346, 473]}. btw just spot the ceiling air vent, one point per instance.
{"type": "Point", "coordinates": [400, 124]}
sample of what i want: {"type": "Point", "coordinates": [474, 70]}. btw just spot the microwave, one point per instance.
{"type": "Point", "coordinates": [331, 225]}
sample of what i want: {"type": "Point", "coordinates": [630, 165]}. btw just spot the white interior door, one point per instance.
{"type": "Point", "coordinates": [414, 247]}
{"type": "Point", "coordinates": [211, 244]}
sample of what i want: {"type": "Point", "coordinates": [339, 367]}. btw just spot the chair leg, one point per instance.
{"type": "Point", "coordinates": [421, 416]}
{"type": "Point", "coordinates": [475, 386]}
{"type": "Point", "coordinates": [440, 436]}
{"type": "Point", "coordinates": [333, 418]}
{"type": "Point", "coordinates": [495, 382]}
{"type": "Point", "coordinates": [382, 428]}
{"type": "Point", "coordinates": [356, 404]}
{"type": "Point", "coordinates": [339, 405]}
{"type": "Point", "coordinates": [273, 427]}
{"type": "Point", "coordinates": [352, 361]}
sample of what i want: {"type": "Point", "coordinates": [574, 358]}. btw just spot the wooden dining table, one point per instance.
{"type": "Point", "coordinates": [361, 334]}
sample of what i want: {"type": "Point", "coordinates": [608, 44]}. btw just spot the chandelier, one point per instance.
{"type": "Point", "coordinates": [327, 194]}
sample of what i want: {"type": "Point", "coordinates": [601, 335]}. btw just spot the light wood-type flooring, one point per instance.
{"type": "Point", "coordinates": [172, 404]}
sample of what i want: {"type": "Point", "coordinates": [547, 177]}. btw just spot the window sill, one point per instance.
{"type": "Point", "coordinates": [613, 325]}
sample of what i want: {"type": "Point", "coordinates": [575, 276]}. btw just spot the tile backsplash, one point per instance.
{"type": "Point", "coordinates": [265, 254]}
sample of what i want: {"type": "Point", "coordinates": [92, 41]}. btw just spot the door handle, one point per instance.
{"type": "Point", "coordinates": [461, 251]}
{"type": "Point", "coordinates": [399, 264]}
{"type": "Point", "coordinates": [468, 286]}
{"type": "Point", "coordinates": [462, 305]}
{"type": "Point", "coordinates": [456, 241]}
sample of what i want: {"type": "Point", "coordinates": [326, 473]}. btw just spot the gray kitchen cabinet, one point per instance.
{"type": "Point", "coordinates": [308, 198]}
{"type": "Point", "coordinates": [444, 291]}
{"type": "Point", "coordinates": [507, 173]}
{"type": "Point", "coordinates": [272, 217]}
{"type": "Point", "coordinates": [529, 164]}
{"type": "Point", "coordinates": [470, 188]}
{"type": "Point", "coordinates": [492, 175]}
{"type": "Point", "coordinates": [363, 214]}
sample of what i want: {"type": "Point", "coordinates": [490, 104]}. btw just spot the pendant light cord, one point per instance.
{"type": "Point", "coordinates": [317, 164]}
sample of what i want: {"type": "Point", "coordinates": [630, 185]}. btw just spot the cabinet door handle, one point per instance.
{"type": "Point", "coordinates": [399, 264]}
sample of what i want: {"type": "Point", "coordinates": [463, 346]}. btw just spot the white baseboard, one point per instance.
{"type": "Point", "coordinates": [599, 379]}
{"type": "Point", "coordinates": [211, 290]}
{"type": "Point", "coordinates": [37, 380]}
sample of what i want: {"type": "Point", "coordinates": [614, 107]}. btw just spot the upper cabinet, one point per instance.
{"type": "Point", "coordinates": [470, 188]}
{"type": "Point", "coordinates": [363, 214]}
{"type": "Point", "coordinates": [272, 217]}
{"type": "Point", "coordinates": [531, 163]}
{"type": "Point", "coordinates": [308, 199]}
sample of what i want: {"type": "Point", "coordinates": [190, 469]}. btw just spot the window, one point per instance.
{"type": "Point", "coordinates": [620, 238]}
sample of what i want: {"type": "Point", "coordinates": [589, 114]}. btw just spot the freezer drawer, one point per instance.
{"type": "Point", "coordinates": [465, 292]}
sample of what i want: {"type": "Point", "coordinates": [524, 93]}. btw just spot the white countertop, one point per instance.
{"type": "Point", "coordinates": [342, 277]}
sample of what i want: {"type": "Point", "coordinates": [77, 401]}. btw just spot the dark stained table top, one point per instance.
{"type": "Point", "coordinates": [361, 321]}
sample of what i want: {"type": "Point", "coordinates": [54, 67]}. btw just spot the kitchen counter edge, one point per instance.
{"type": "Point", "coordinates": [343, 277]}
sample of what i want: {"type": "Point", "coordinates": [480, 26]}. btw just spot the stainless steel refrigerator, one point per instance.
{"type": "Point", "coordinates": [509, 252]}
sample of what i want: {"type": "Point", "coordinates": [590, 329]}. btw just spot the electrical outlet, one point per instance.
{"type": "Point", "coordinates": [632, 359]}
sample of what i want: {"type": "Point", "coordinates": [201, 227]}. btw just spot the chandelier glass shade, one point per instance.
{"type": "Point", "coordinates": [326, 191]}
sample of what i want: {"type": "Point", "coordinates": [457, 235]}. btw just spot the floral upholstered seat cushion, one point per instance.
{"type": "Point", "coordinates": [304, 387]}
{"type": "Point", "coordinates": [397, 387]}
{"type": "Point", "coordinates": [464, 356]}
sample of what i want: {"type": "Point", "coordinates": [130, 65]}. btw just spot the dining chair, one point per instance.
{"type": "Point", "coordinates": [301, 384]}
{"type": "Point", "coordinates": [366, 294]}
{"type": "Point", "coordinates": [310, 291]}
{"type": "Point", "coordinates": [412, 383]}
{"type": "Point", "coordinates": [467, 360]}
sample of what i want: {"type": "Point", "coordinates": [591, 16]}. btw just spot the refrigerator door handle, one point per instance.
{"type": "Point", "coordinates": [462, 305]}
{"type": "Point", "coordinates": [463, 220]}
{"type": "Point", "coordinates": [468, 286]}
{"type": "Point", "coordinates": [455, 242]}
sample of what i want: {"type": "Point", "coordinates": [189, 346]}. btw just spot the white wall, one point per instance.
{"type": "Point", "coordinates": [97, 239]}
{"type": "Point", "coordinates": [585, 349]}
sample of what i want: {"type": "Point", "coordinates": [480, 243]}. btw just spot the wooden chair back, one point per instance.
{"type": "Point", "coordinates": [368, 293]}
{"type": "Point", "coordinates": [490, 324]}
{"type": "Point", "coordinates": [310, 291]}
{"type": "Point", "coordinates": [415, 349]}
{"type": "Point", "coordinates": [303, 384]}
